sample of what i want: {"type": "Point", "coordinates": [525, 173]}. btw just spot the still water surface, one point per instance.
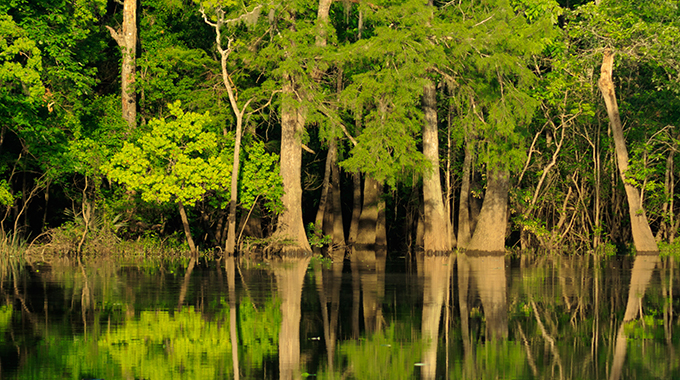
{"type": "Point", "coordinates": [457, 317]}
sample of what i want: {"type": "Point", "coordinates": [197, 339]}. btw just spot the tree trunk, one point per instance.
{"type": "Point", "coordinates": [381, 222]}
{"type": "Point", "coordinates": [369, 213]}
{"type": "Point", "coordinates": [127, 40]}
{"type": "Point", "coordinates": [437, 226]}
{"type": "Point", "coordinates": [464, 229]}
{"type": "Point", "coordinates": [356, 208]}
{"type": "Point", "coordinates": [665, 229]}
{"type": "Point", "coordinates": [336, 202]}
{"type": "Point", "coordinates": [642, 234]}
{"type": "Point", "coordinates": [290, 225]}
{"type": "Point", "coordinates": [332, 215]}
{"type": "Point", "coordinates": [187, 230]}
{"type": "Point", "coordinates": [238, 113]}
{"type": "Point", "coordinates": [321, 212]}
{"type": "Point", "coordinates": [322, 17]}
{"type": "Point", "coordinates": [489, 235]}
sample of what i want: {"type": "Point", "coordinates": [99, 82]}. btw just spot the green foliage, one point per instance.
{"type": "Point", "coordinates": [20, 63]}
{"type": "Point", "coordinates": [389, 71]}
{"type": "Point", "coordinates": [6, 312]}
{"type": "Point", "coordinates": [6, 197]}
{"type": "Point", "coordinates": [316, 237]}
{"type": "Point", "coordinates": [380, 356]}
{"type": "Point", "coordinates": [160, 345]}
{"type": "Point", "coordinates": [259, 178]}
{"type": "Point", "coordinates": [177, 161]}
{"type": "Point", "coordinates": [258, 331]}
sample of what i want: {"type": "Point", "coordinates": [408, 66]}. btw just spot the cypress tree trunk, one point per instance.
{"type": "Point", "coordinates": [642, 234]}
{"type": "Point", "coordinates": [489, 235]}
{"type": "Point", "coordinates": [290, 225]}
{"type": "Point", "coordinates": [332, 213]}
{"type": "Point", "coordinates": [381, 223]}
{"type": "Point", "coordinates": [369, 213]}
{"type": "Point", "coordinates": [437, 226]}
{"type": "Point", "coordinates": [356, 208]}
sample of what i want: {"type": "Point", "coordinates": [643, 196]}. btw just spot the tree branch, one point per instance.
{"type": "Point", "coordinates": [116, 36]}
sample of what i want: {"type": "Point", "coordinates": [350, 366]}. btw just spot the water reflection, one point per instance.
{"type": "Point", "coordinates": [328, 284]}
{"type": "Point", "coordinates": [367, 317]}
{"type": "Point", "coordinates": [369, 267]}
{"type": "Point", "coordinates": [483, 275]}
{"type": "Point", "coordinates": [437, 274]}
{"type": "Point", "coordinates": [290, 274]}
{"type": "Point", "coordinates": [639, 280]}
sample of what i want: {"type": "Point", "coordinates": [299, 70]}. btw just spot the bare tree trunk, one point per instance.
{"type": "Point", "coordinates": [437, 226]}
{"type": "Point", "coordinates": [642, 234]}
{"type": "Point", "coordinates": [187, 230]}
{"type": "Point", "coordinates": [238, 112]}
{"type": "Point", "coordinates": [127, 40]}
{"type": "Point", "coordinates": [598, 183]}
{"type": "Point", "coordinates": [336, 202]}
{"type": "Point", "coordinates": [290, 225]}
{"type": "Point", "coordinates": [667, 222]}
{"type": "Point", "coordinates": [489, 233]}
{"type": "Point", "coordinates": [464, 228]}
{"type": "Point", "coordinates": [321, 212]}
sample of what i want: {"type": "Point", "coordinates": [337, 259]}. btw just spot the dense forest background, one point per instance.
{"type": "Point", "coordinates": [290, 125]}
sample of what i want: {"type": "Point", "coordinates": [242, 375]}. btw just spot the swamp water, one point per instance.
{"type": "Point", "coordinates": [458, 317]}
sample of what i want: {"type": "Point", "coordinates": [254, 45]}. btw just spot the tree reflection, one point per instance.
{"type": "Point", "coordinates": [290, 274]}
{"type": "Point", "coordinates": [369, 266]}
{"type": "Point", "coordinates": [486, 274]}
{"type": "Point", "coordinates": [328, 282]}
{"type": "Point", "coordinates": [436, 275]}
{"type": "Point", "coordinates": [642, 272]}
{"type": "Point", "coordinates": [544, 317]}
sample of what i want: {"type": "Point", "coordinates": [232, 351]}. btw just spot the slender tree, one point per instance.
{"type": "Point", "coordinates": [642, 234]}
{"type": "Point", "coordinates": [239, 111]}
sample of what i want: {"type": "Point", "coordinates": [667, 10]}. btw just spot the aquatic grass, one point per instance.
{"type": "Point", "coordinates": [12, 255]}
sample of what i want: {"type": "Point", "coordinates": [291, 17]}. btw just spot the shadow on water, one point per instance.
{"type": "Point", "coordinates": [458, 316]}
